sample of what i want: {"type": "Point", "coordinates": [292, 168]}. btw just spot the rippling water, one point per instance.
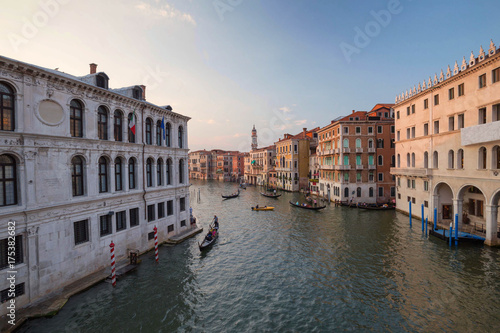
{"type": "Point", "coordinates": [295, 270]}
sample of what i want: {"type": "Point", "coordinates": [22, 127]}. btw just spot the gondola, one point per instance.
{"type": "Point", "coordinates": [208, 242]}
{"type": "Point", "coordinates": [350, 205]}
{"type": "Point", "coordinates": [263, 208]}
{"type": "Point", "coordinates": [271, 195]}
{"type": "Point", "coordinates": [243, 186]}
{"type": "Point", "coordinates": [231, 196]}
{"type": "Point", "coordinates": [377, 207]}
{"type": "Point", "coordinates": [307, 206]}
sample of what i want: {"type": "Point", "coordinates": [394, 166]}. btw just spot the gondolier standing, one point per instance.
{"type": "Point", "coordinates": [216, 222]}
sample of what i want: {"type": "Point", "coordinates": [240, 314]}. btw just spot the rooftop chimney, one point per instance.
{"type": "Point", "coordinates": [143, 92]}
{"type": "Point", "coordinates": [353, 111]}
{"type": "Point", "coordinates": [93, 68]}
{"type": "Point", "coordinates": [304, 130]}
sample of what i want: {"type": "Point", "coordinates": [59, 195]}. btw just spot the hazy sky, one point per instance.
{"type": "Point", "coordinates": [228, 64]}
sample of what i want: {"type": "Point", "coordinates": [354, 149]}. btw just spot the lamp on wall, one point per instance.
{"type": "Point", "coordinates": [111, 213]}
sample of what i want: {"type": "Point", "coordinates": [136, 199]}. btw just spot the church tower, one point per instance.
{"type": "Point", "coordinates": [254, 138]}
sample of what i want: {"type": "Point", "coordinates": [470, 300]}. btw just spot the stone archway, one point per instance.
{"type": "Point", "coordinates": [443, 201]}
{"type": "Point", "coordinates": [492, 220]}
{"type": "Point", "coordinates": [471, 206]}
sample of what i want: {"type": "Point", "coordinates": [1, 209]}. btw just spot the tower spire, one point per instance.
{"type": "Point", "coordinates": [254, 138]}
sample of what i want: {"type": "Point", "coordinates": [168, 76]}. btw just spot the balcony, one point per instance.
{"type": "Point", "coordinates": [371, 167]}
{"type": "Point", "coordinates": [327, 167]}
{"type": "Point", "coordinates": [359, 150]}
{"type": "Point", "coordinates": [346, 150]}
{"type": "Point", "coordinates": [416, 172]}
{"type": "Point", "coordinates": [342, 167]}
{"type": "Point", "coordinates": [336, 151]}
{"type": "Point", "coordinates": [359, 166]}
{"type": "Point", "coordinates": [371, 150]}
{"type": "Point", "coordinates": [480, 133]}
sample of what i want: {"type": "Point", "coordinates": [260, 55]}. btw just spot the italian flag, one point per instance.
{"type": "Point", "coordinates": [131, 124]}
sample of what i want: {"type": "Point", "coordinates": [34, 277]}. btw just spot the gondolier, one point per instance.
{"type": "Point", "coordinates": [216, 222]}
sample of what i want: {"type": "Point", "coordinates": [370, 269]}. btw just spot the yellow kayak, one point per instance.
{"type": "Point", "coordinates": [263, 208]}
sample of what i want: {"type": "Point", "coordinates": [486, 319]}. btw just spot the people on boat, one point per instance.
{"type": "Point", "coordinates": [256, 207]}
{"type": "Point", "coordinates": [216, 224]}
{"type": "Point", "coordinates": [274, 192]}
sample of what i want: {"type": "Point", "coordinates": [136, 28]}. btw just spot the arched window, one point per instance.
{"type": "Point", "coordinates": [451, 159]}
{"type": "Point", "coordinates": [159, 172]}
{"type": "Point", "coordinates": [118, 174]}
{"type": "Point", "coordinates": [7, 109]}
{"type": "Point", "coordinates": [358, 159]}
{"type": "Point", "coordinates": [181, 171]}
{"type": "Point", "coordinates": [118, 125]}
{"type": "Point", "coordinates": [158, 133]}
{"type": "Point", "coordinates": [358, 143]}
{"type": "Point", "coordinates": [76, 118]}
{"type": "Point", "coordinates": [370, 192]}
{"type": "Point", "coordinates": [380, 143]}
{"type": "Point", "coordinates": [435, 160]}
{"type": "Point", "coordinates": [482, 158]}
{"type": "Point", "coordinates": [346, 143]}
{"type": "Point", "coordinates": [131, 174]}
{"type": "Point", "coordinates": [495, 155]}
{"type": "Point", "coordinates": [102, 123]}
{"type": "Point", "coordinates": [181, 137]}
{"type": "Point", "coordinates": [399, 161]}
{"type": "Point", "coordinates": [149, 172]}
{"type": "Point", "coordinates": [346, 192]}
{"type": "Point", "coordinates": [8, 181]}
{"type": "Point", "coordinates": [103, 175]}
{"type": "Point", "coordinates": [77, 176]}
{"type": "Point", "coordinates": [168, 132]}
{"type": "Point", "coordinates": [408, 162]}
{"type": "Point", "coordinates": [380, 160]}
{"type": "Point", "coordinates": [169, 171]}
{"type": "Point", "coordinates": [149, 131]}
{"type": "Point", "coordinates": [412, 160]}
{"type": "Point", "coordinates": [370, 143]}
{"type": "Point", "coordinates": [131, 127]}
{"type": "Point", "coordinates": [460, 159]}
{"type": "Point", "coordinates": [426, 159]}
{"type": "Point", "coordinates": [393, 161]}
{"type": "Point", "coordinates": [358, 192]}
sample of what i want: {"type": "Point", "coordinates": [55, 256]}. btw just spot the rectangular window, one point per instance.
{"type": "Point", "coordinates": [407, 133]}
{"type": "Point", "coordinates": [397, 115]}
{"type": "Point", "coordinates": [413, 108]}
{"type": "Point", "coordinates": [370, 130]}
{"type": "Point", "coordinates": [426, 203]}
{"type": "Point", "coordinates": [170, 207]}
{"type": "Point", "coordinates": [399, 196]}
{"type": "Point", "coordinates": [151, 213]}
{"type": "Point", "coordinates": [6, 294]}
{"type": "Point", "coordinates": [407, 110]}
{"type": "Point", "coordinates": [399, 181]}
{"type": "Point", "coordinates": [413, 132]}
{"type": "Point", "coordinates": [461, 90]}
{"type": "Point", "coordinates": [81, 229]}
{"type": "Point", "coordinates": [398, 135]}
{"type": "Point", "coordinates": [346, 130]}
{"type": "Point", "coordinates": [426, 185]}
{"type": "Point", "coordinates": [161, 210]}
{"type": "Point", "coordinates": [451, 93]}
{"type": "Point", "coordinates": [413, 200]}
{"type": "Point", "coordinates": [495, 75]}
{"type": "Point", "coordinates": [358, 130]}
{"type": "Point", "coordinates": [482, 116]}
{"type": "Point", "coordinates": [121, 220]}
{"type": "Point", "coordinates": [134, 217]}
{"type": "Point", "coordinates": [413, 183]}
{"type": "Point", "coordinates": [380, 177]}
{"type": "Point", "coordinates": [182, 204]}
{"type": "Point", "coordinates": [408, 199]}
{"type": "Point", "coordinates": [472, 207]}
{"type": "Point", "coordinates": [482, 81]}
{"type": "Point", "coordinates": [4, 250]}
{"type": "Point", "coordinates": [105, 227]}
{"type": "Point", "coordinates": [408, 184]}
{"type": "Point", "coordinates": [393, 191]}
{"type": "Point", "coordinates": [151, 235]}
{"type": "Point", "coordinates": [392, 129]}
{"type": "Point", "coordinates": [495, 113]}
{"type": "Point", "coordinates": [379, 129]}
{"type": "Point", "coordinates": [436, 127]}
{"type": "Point", "coordinates": [451, 123]}
{"type": "Point", "coordinates": [436, 99]}
{"type": "Point", "coordinates": [170, 228]}
{"type": "Point", "coordinates": [460, 121]}
{"type": "Point", "coordinates": [426, 103]}
{"type": "Point", "coordinates": [183, 223]}
{"type": "Point", "coordinates": [380, 191]}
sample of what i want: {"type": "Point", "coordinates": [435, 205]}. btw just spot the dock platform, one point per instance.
{"type": "Point", "coordinates": [463, 237]}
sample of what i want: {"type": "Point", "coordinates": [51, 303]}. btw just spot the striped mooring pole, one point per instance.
{"type": "Point", "coordinates": [156, 243]}
{"type": "Point", "coordinates": [113, 267]}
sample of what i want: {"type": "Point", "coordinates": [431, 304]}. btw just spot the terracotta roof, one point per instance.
{"type": "Point", "coordinates": [382, 106]}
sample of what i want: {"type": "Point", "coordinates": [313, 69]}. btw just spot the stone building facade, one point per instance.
{"type": "Point", "coordinates": [76, 178]}
{"type": "Point", "coordinates": [448, 145]}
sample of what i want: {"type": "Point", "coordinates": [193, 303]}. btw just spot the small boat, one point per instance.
{"type": "Point", "coordinates": [263, 208]}
{"type": "Point", "coordinates": [376, 207]}
{"type": "Point", "coordinates": [209, 239]}
{"type": "Point", "coordinates": [350, 205]}
{"type": "Point", "coordinates": [231, 196]}
{"type": "Point", "coordinates": [307, 206]}
{"type": "Point", "coordinates": [271, 195]}
{"type": "Point", "coordinates": [243, 186]}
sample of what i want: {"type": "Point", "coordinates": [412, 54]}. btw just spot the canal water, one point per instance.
{"type": "Point", "coordinates": [295, 270]}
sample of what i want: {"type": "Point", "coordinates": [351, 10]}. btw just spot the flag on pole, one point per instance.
{"type": "Point", "coordinates": [131, 124]}
{"type": "Point", "coordinates": [163, 127]}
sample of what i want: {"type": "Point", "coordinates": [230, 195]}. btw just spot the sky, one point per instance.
{"type": "Point", "coordinates": [281, 65]}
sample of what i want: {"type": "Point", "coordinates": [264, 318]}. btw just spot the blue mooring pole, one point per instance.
{"type": "Point", "coordinates": [456, 229]}
{"type": "Point", "coordinates": [409, 203]}
{"type": "Point", "coordinates": [423, 218]}
{"type": "Point", "coordinates": [426, 226]}
{"type": "Point", "coordinates": [435, 218]}
{"type": "Point", "coordinates": [451, 232]}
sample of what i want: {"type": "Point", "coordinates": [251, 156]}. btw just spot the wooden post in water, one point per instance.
{"type": "Point", "coordinates": [423, 218]}
{"type": "Point", "coordinates": [435, 218]}
{"type": "Point", "coordinates": [409, 204]}
{"type": "Point", "coordinates": [113, 268]}
{"type": "Point", "coordinates": [456, 229]}
{"type": "Point", "coordinates": [426, 222]}
{"type": "Point", "coordinates": [451, 232]}
{"type": "Point", "coordinates": [156, 243]}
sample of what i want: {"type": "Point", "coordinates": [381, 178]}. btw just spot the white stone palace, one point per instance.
{"type": "Point", "coordinates": [74, 177]}
{"type": "Point", "coordinates": [448, 145]}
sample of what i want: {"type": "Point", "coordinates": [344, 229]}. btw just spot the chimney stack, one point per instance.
{"type": "Point", "coordinates": [143, 92]}
{"type": "Point", "coordinates": [304, 130]}
{"type": "Point", "coordinates": [93, 68]}
{"type": "Point", "coordinates": [353, 111]}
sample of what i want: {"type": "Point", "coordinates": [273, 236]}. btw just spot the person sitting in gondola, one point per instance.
{"type": "Point", "coordinates": [209, 236]}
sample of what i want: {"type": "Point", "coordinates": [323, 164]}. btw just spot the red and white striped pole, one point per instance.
{"type": "Point", "coordinates": [113, 272]}
{"type": "Point", "coordinates": [156, 243]}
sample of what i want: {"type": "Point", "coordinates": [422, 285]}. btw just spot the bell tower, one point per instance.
{"type": "Point", "coordinates": [254, 138]}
